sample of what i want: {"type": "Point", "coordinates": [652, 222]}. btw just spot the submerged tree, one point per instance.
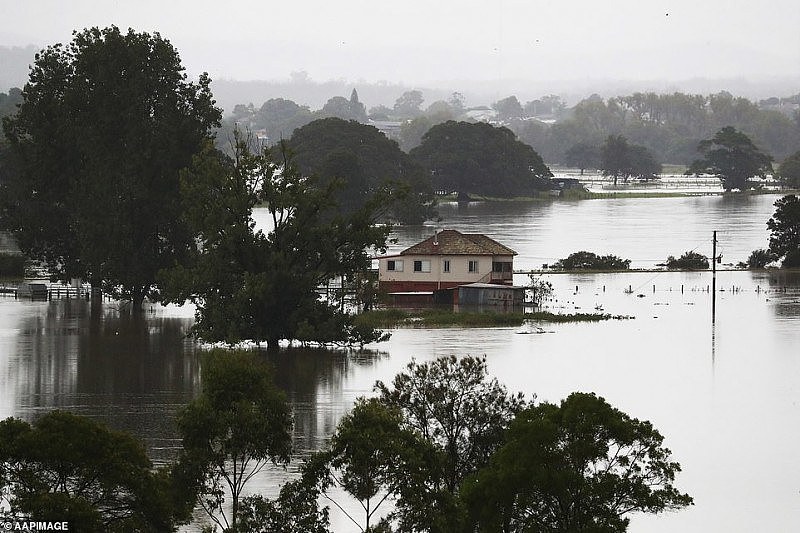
{"type": "Point", "coordinates": [579, 466]}
{"type": "Point", "coordinates": [690, 260]}
{"type": "Point", "coordinates": [105, 125]}
{"type": "Point", "coordinates": [731, 156]}
{"type": "Point", "coordinates": [590, 261]}
{"type": "Point", "coordinates": [262, 285]}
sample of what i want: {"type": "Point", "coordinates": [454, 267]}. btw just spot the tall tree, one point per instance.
{"type": "Point", "coordinates": [481, 159]}
{"type": "Point", "coordinates": [408, 105]}
{"type": "Point", "coordinates": [262, 285]}
{"type": "Point", "coordinates": [579, 466]}
{"type": "Point", "coordinates": [620, 159]}
{"type": "Point", "coordinates": [104, 127]}
{"type": "Point", "coordinates": [784, 227]}
{"type": "Point", "coordinates": [365, 161]}
{"type": "Point", "coordinates": [789, 170]}
{"type": "Point", "coordinates": [731, 156]}
{"type": "Point", "coordinates": [508, 108]}
{"type": "Point", "coordinates": [238, 424]}
{"type": "Point", "coordinates": [459, 414]}
{"type": "Point", "coordinates": [583, 156]}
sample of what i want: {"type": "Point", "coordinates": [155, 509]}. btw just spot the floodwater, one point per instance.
{"type": "Point", "coordinates": [724, 393]}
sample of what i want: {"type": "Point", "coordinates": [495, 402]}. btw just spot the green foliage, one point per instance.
{"type": "Point", "coordinates": [12, 265]}
{"type": "Point", "coordinates": [365, 161]}
{"type": "Point", "coordinates": [371, 458]}
{"type": "Point", "coordinates": [480, 159]}
{"type": "Point", "coordinates": [393, 318]}
{"type": "Point", "coordinates": [668, 125]}
{"type": "Point", "coordinates": [789, 170]}
{"type": "Point", "coordinates": [590, 261]}
{"type": "Point", "coordinates": [458, 414]}
{"type": "Point", "coordinates": [263, 286]}
{"type": "Point", "coordinates": [583, 156]}
{"type": "Point", "coordinates": [580, 466]}
{"type": "Point", "coordinates": [408, 104]}
{"type": "Point", "coordinates": [622, 160]}
{"type": "Point", "coordinates": [784, 227]}
{"type": "Point", "coordinates": [66, 467]}
{"type": "Point", "coordinates": [238, 424]}
{"type": "Point", "coordinates": [733, 158]}
{"type": "Point", "coordinates": [104, 127]}
{"type": "Point", "coordinates": [508, 108]}
{"type": "Point", "coordinates": [295, 510]}
{"type": "Point", "coordinates": [688, 261]}
{"type": "Point", "coordinates": [760, 258]}
{"type": "Point", "coordinates": [10, 101]}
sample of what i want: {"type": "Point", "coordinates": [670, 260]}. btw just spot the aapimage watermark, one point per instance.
{"type": "Point", "coordinates": [32, 525]}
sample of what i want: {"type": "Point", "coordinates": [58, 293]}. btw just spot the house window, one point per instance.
{"type": "Point", "coordinates": [446, 265]}
{"type": "Point", "coordinates": [473, 266]}
{"type": "Point", "coordinates": [422, 266]}
{"type": "Point", "coordinates": [394, 265]}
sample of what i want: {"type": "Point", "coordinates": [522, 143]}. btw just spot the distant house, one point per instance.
{"type": "Point", "coordinates": [447, 259]}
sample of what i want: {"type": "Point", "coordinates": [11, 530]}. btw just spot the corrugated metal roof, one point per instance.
{"type": "Point", "coordinates": [452, 242]}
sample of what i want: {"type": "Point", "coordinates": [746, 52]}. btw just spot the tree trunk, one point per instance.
{"type": "Point", "coordinates": [137, 298]}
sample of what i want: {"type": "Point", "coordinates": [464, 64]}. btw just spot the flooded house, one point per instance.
{"type": "Point", "coordinates": [446, 261]}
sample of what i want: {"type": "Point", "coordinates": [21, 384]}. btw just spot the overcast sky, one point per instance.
{"type": "Point", "coordinates": [429, 41]}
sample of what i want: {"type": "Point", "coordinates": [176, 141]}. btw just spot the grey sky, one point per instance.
{"type": "Point", "coordinates": [427, 41]}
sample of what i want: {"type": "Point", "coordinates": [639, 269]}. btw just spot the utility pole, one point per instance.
{"type": "Point", "coordinates": [714, 278]}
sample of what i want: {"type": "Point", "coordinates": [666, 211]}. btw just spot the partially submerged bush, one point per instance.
{"type": "Point", "coordinates": [688, 261]}
{"type": "Point", "coordinates": [591, 261]}
{"type": "Point", "coordinates": [760, 258]}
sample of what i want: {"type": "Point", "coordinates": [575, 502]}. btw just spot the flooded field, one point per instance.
{"type": "Point", "coordinates": [726, 394]}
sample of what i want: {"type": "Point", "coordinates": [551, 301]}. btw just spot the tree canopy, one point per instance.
{"type": "Point", "coordinates": [238, 424]}
{"type": "Point", "coordinates": [731, 156]}
{"type": "Point", "coordinates": [789, 170]}
{"type": "Point", "coordinates": [591, 261]}
{"type": "Point", "coordinates": [365, 161]}
{"type": "Point", "coordinates": [262, 285]}
{"type": "Point", "coordinates": [690, 260]}
{"type": "Point", "coordinates": [478, 158]}
{"type": "Point", "coordinates": [579, 466]}
{"type": "Point", "coordinates": [784, 227]}
{"type": "Point", "coordinates": [620, 159]}
{"type": "Point", "coordinates": [66, 467]}
{"type": "Point", "coordinates": [105, 125]}
{"type": "Point", "coordinates": [458, 415]}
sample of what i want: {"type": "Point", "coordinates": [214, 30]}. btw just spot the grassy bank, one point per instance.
{"type": "Point", "coordinates": [397, 318]}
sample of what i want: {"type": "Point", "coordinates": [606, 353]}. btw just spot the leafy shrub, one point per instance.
{"type": "Point", "coordinates": [591, 261]}
{"type": "Point", "coordinates": [688, 261]}
{"type": "Point", "coordinates": [760, 258]}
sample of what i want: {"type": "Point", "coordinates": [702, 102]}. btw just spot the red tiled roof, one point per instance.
{"type": "Point", "coordinates": [452, 242]}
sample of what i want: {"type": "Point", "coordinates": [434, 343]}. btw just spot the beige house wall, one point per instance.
{"type": "Point", "coordinates": [459, 268]}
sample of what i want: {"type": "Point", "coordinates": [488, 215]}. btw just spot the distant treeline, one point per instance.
{"type": "Point", "coordinates": [668, 125]}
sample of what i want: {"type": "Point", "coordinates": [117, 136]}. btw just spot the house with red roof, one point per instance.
{"type": "Point", "coordinates": [447, 259]}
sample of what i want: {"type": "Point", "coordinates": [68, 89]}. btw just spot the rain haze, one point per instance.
{"type": "Point", "coordinates": [507, 46]}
